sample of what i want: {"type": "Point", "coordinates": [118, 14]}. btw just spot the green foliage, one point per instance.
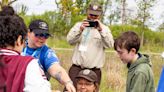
{"type": "Point", "coordinates": [57, 24]}
{"type": "Point", "coordinates": [144, 8]}
{"type": "Point", "coordinates": [62, 20]}
{"type": "Point", "coordinates": [55, 42]}
{"type": "Point", "coordinates": [154, 41]}
{"type": "Point", "coordinates": [59, 28]}
{"type": "Point", "coordinates": [23, 9]}
{"type": "Point", "coordinates": [118, 29]}
{"type": "Point", "coordinates": [161, 27]}
{"type": "Point", "coordinates": [6, 2]}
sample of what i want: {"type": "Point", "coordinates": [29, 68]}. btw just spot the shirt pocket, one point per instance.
{"type": "Point", "coordinates": [97, 39]}
{"type": "Point", "coordinates": [97, 35]}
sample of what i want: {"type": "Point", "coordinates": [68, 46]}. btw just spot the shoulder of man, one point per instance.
{"type": "Point", "coordinates": [78, 24]}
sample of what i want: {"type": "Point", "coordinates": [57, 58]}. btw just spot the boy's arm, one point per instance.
{"type": "Point", "coordinates": [138, 83]}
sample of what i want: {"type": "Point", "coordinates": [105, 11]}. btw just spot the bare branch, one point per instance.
{"type": "Point", "coordinates": [11, 2]}
{"type": "Point", "coordinates": [57, 4]}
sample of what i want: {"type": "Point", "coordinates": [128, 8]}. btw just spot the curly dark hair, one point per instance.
{"type": "Point", "coordinates": [7, 10]}
{"type": "Point", "coordinates": [10, 28]}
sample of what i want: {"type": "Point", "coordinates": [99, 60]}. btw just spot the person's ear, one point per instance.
{"type": "Point", "coordinates": [19, 41]}
{"type": "Point", "coordinates": [133, 50]}
{"type": "Point", "coordinates": [28, 33]}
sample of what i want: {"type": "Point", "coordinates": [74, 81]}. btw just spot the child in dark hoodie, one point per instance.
{"type": "Point", "coordinates": [140, 76]}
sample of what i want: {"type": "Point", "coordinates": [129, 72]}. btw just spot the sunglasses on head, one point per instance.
{"type": "Point", "coordinates": [42, 35]}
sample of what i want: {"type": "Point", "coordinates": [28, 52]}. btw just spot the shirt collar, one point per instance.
{"type": "Point", "coordinates": [8, 52]}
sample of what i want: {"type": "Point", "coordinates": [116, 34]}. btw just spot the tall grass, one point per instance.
{"type": "Point", "coordinates": [113, 73]}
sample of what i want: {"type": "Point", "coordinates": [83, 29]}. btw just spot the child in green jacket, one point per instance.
{"type": "Point", "coordinates": [140, 76]}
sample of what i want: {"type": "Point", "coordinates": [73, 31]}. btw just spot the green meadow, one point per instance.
{"type": "Point", "coordinates": [114, 71]}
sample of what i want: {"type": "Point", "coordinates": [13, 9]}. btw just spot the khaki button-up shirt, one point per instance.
{"type": "Point", "coordinates": [90, 44]}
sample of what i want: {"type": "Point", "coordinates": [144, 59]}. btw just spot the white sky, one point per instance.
{"type": "Point", "coordinates": [36, 6]}
{"type": "Point", "coordinates": [40, 6]}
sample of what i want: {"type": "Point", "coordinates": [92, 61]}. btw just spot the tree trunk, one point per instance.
{"type": "Point", "coordinates": [142, 38]}
{"type": "Point", "coordinates": [123, 12]}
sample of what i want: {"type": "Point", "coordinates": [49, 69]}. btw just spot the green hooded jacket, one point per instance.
{"type": "Point", "coordinates": [140, 76]}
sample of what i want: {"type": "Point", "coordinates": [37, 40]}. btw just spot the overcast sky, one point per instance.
{"type": "Point", "coordinates": [40, 6]}
{"type": "Point", "coordinates": [36, 6]}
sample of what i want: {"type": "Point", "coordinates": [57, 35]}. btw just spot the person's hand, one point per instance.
{"type": "Point", "coordinates": [70, 87]}
{"type": "Point", "coordinates": [99, 27]}
{"type": "Point", "coordinates": [83, 25]}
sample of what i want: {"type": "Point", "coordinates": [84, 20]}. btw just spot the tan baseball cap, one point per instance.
{"type": "Point", "coordinates": [95, 9]}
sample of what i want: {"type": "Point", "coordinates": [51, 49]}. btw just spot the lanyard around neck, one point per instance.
{"type": "Point", "coordinates": [36, 52]}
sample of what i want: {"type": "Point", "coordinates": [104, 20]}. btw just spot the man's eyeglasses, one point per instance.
{"type": "Point", "coordinates": [43, 35]}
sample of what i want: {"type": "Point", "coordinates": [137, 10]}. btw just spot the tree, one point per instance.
{"type": "Point", "coordinates": [70, 11]}
{"type": "Point", "coordinates": [161, 27]}
{"type": "Point", "coordinates": [123, 11]}
{"type": "Point", "coordinates": [114, 16]}
{"type": "Point", "coordinates": [144, 7]}
{"type": "Point", "coordinates": [21, 9]}
{"type": "Point", "coordinates": [107, 7]}
{"type": "Point", "coordinates": [63, 17]}
{"type": "Point", "coordinates": [6, 2]}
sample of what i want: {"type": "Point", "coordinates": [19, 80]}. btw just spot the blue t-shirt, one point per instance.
{"type": "Point", "coordinates": [46, 56]}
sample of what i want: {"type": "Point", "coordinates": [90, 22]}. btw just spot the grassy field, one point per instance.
{"type": "Point", "coordinates": [114, 71]}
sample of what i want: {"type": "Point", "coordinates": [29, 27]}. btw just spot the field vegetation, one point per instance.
{"type": "Point", "coordinates": [114, 71]}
